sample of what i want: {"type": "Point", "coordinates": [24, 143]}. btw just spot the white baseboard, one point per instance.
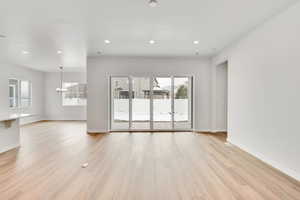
{"type": "Point", "coordinates": [30, 120]}
{"type": "Point", "coordinates": [46, 119]}
{"type": "Point", "coordinates": [10, 147]}
{"type": "Point", "coordinates": [202, 130]}
{"type": "Point", "coordinates": [210, 131]}
{"type": "Point", "coordinates": [219, 130]}
{"type": "Point", "coordinates": [64, 119]}
{"type": "Point", "coordinates": [263, 158]}
{"type": "Point", "coordinates": [97, 131]}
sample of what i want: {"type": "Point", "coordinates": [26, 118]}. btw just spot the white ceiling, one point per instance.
{"type": "Point", "coordinates": [79, 27]}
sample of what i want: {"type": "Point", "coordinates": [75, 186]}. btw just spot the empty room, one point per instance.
{"type": "Point", "coordinates": [149, 100]}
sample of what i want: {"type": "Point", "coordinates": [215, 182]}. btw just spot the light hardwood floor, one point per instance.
{"type": "Point", "coordinates": [134, 166]}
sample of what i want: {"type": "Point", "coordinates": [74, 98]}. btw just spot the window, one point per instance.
{"type": "Point", "coordinates": [13, 93]}
{"type": "Point", "coordinates": [75, 95]}
{"type": "Point", "coordinates": [19, 93]}
{"type": "Point", "coordinates": [25, 100]}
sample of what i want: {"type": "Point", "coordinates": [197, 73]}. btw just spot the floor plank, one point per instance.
{"type": "Point", "coordinates": [128, 166]}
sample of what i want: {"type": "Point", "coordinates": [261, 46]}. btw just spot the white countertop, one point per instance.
{"type": "Point", "coordinates": [9, 117]}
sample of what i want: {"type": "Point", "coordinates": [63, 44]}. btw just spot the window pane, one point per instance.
{"type": "Point", "coordinates": [24, 89]}
{"type": "Point", "coordinates": [182, 102]}
{"type": "Point", "coordinates": [140, 103]}
{"type": "Point", "coordinates": [120, 102]}
{"type": "Point", "coordinates": [13, 93]}
{"type": "Point", "coordinates": [162, 103]}
{"type": "Point", "coordinates": [25, 93]}
{"type": "Point", "coordinates": [75, 95]}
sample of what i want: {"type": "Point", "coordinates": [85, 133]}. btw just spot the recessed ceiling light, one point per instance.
{"type": "Point", "coordinates": [196, 42]}
{"type": "Point", "coordinates": [153, 3]}
{"type": "Point", "coordinates": [2, 36]}
{"type": "Point", "coordinates": [25, 52]}
{"type": "Point", "coordinates": [106, 41]}
{"type": "Point", "coordinates": [59, 52]}
{"type": "Point", "coordinates": [151, 42]}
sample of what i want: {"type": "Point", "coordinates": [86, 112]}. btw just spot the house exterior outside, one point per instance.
{"type": "Point", "coordinates": [140, 89]}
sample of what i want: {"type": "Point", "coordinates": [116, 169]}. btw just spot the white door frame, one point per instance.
{"type": "Point", "coordinates": [151, 78]}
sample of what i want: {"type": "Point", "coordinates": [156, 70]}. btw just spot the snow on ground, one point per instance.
{"type": "Point", "coordinates": [141, 110]}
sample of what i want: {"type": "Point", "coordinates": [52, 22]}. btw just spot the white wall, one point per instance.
{"type": "Point", "coordinates": [22, 73]}
{"type": "Point", "coordinates": [264, 80]}
{"type": "Point", "coordinates": [99, 69]}
{"type": "Point", "coordinates": [53, 101]}
{"type": "Point", "coordinates": [46, 103]}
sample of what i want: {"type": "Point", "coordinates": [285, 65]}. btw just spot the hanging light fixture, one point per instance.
{"type": "Point", "coordinates": [61, 89]}
{"type": "Point", "coordinates": [153, 3]}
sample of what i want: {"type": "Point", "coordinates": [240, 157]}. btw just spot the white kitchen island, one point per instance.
{"type": "Point", "coordinates": [10, 131]}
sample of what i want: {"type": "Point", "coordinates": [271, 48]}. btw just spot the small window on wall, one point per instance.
{"type": "Point", "coordinates": [25, 88]}
{"type": "Point", "coordinates": [13, 93]}
{"type": "Point", "coordinates": [19, 93]}
{"type": "Point", "coordinates": [75, 95]}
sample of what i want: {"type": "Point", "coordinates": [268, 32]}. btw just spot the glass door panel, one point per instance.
{"type": "Point", "coordinates": [162, 103]}
{"type": "Point", "coordinates": [144, 103]}
{"type": "Point", "coordinates": [140, 103]}
{"type": "Point", "coordinates": [120, 103]}
{"type": "Point", "coordinates": [182, 103]}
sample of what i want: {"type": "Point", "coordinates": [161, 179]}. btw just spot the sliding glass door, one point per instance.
{"type": "Point", "coordinates": [119, 103]}
{"type": "Point", "coordinates": [140, 101]}
{"type": "Point", "coordinates": [151, 103]}
{"type": "Point", "coordinates": [162, 103]}
{"type": "Point", "coordinates": [182, 102]}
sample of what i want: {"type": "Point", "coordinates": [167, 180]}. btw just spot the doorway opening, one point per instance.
{"type": "Point", "coordinates": [151, 103]}
{"type": "Point", "coordinates": [222, 97]}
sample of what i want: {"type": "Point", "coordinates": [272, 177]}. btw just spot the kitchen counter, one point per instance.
{"type": "Point", "coordinates": [10, 131]}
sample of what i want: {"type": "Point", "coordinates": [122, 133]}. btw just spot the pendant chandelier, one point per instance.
{"type": "Point", "coordinates": [61, 89]}
{"type": "Point", "coordinates": [153, 3]}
